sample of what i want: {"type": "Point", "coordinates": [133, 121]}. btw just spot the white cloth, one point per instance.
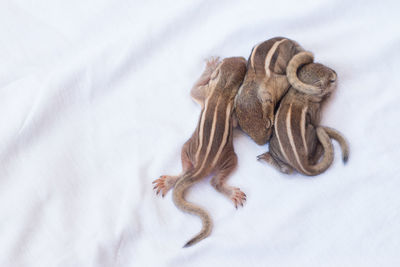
{"type": "Point", "coordinates": [95, 105]}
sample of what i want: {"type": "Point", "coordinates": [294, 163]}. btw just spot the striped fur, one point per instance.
{"type": "Point", "coordinates": [298, 141]}
{"type": "Point", "coordinates": [294, 143]}
{"type": "Point", "coordinates": [263, 87]}
{"type": "Point", "coordinates": [210, 149]}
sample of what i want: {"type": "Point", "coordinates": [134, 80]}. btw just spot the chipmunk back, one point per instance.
{"type": "Point", "coordinates": [298, 141]}
{"type": "Point", "coordinates": [263, 87]}
{"type": "Point", "coordinates": [210, 149]}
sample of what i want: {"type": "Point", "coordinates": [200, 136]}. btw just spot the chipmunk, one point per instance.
{"type": "Point", "coordinates": [298, 141]}
{"type": "Point", "coordinates": [264, 85]}
{"type": "Point", "coordinates": [210, 149]}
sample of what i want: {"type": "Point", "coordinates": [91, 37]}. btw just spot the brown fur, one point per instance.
{"type": "Point", "coordinates": [210, 149]}
{"type": "Point", "coordinates": [298, 141]}
{"type": "Point", "coordinates": [263, 87]}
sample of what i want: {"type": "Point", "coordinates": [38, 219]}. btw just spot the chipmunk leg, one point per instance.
{"type": "Point", "coordinates": [222, 174]}
{"type": "Point", "coordinates": [314, 147]}
{"type": "Point", "coordinates": [275, 162]}
{"type": "Point", "coordinates": [319, 151]}
{"type": "Point", "coordinates": [165, 182]}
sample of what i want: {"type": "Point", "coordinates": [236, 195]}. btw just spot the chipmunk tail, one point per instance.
{"type": "Point", "coordinates": [179, 200]}
{"type": "Point", "coordinates": [344, 146]}
{"type": "Point", "coordinates": [295, 63]}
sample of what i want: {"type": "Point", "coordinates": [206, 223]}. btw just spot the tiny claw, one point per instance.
{"type": "Point", "coordinates": [238, 197]}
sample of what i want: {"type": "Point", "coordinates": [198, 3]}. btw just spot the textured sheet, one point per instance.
{"type": "Point", "coordinates": [95, 105]}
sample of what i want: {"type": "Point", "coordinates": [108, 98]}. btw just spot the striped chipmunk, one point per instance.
{"type": "Point", "coordinates": [210, 149]}
{"type": "Point", "coordinates": [264, 85]}
{"type": "Point", "coordinates": [298, 141]}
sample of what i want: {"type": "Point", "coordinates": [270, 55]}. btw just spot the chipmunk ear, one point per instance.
{"type": "Point", "coordinates": [295, 63]}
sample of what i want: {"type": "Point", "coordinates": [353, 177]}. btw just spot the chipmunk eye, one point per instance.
{"type": "Point", "coordinates": [332, 80]}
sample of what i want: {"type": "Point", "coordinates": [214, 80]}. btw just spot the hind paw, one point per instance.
{"type": "Point", "coordinates": [164, 184]}
{"type": "Point", "coordinates": [238, 197]}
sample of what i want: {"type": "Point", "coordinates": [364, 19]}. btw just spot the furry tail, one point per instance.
{"type": "Point", "coordinates": [294, 64]}
{"type": "Point", "coordinates": [341, 140]}
{"type": "Point", "coordinates": [182, 204]}
{"type": "Point", "coordinates": [327, 159]}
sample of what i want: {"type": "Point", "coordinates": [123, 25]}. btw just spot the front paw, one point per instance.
{"type": "Point", "coordinates": [266, 157]}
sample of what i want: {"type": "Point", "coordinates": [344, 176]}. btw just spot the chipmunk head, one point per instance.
{"type": "Point", "coordinates": [310, 78]}
{"type": "Point", "coordinates": [318, 76]}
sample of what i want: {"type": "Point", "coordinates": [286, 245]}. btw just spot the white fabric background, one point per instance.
{"type": "Point", "coordinates": [95, 105]}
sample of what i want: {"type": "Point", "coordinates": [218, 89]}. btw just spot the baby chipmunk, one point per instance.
{"type": "Point", "coordinates": [210, 149]}
{"type": "Point", "coordinates": [264, 85]}
{"type": "Point", "coordinates": [298, 141]}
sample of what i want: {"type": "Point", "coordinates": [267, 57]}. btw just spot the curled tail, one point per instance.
{"type": "Point", "coordinates": [327, 158]}
{"type": "Point", "coordinates": [294, 64]}
{"type": "Point", "coordinates": [341, 140]}
{"type": "Point", "coordinates": [179, 200]}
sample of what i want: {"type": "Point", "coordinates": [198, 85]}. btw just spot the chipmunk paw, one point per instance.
{"type": "Point", "coordinates": [163, 184]}
{"type": "Point", "coordinates": [238, 197]}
